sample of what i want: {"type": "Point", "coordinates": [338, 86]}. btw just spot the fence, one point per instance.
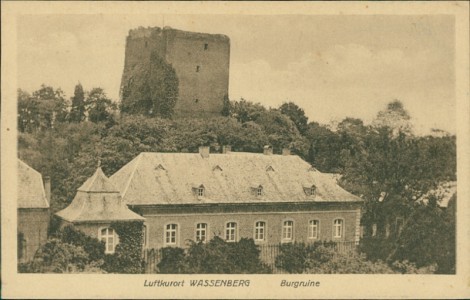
{"type": "Point", "coordinates": [268, 254]}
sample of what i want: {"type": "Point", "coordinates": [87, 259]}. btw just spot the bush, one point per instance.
{"type": "Point", "coordinates": [292, 257]}
{"type": "Point", "coordinates": [92, 246]}
{"type": "Point", "coordinates": [127, 257]}
{"type": "Point", "coordinates": [56, 257]}
{"type": "Point", "coordinates": [214, 257]}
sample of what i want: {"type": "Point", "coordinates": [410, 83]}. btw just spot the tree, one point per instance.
{"type": "Point", "coordinates": [100, 108]}
{"type": "Point", "coordinates": [296, 114]}
{"type": "Point", "coordinates": [77, 112]}
{"type": "Point", "coordinates": [394, 117]}
{"type": "Point", "coordinates": [152, 90]}
{"type": "Point", "coordinates": [42, 110]}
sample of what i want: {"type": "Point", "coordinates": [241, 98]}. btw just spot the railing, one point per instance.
{"type": "Point", "coordinates": [268, 254]}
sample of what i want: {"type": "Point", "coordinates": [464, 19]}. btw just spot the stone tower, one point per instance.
{"type": "Point", "coordinates": [200, 60]}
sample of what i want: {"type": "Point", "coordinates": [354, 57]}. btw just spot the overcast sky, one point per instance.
{"type": "Point", "coordinates": [331, 66]}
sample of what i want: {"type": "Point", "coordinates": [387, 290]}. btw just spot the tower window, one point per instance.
{"type": "Point", "coordinates": [206, 46]}
{"type": "Point", "coordinates": [146, 44]}
{"type": "Point", "coordinates": [196, 100]}
{"type": "Point", "coordinates": [198, 68]}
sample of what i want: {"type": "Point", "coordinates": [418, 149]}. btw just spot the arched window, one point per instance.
{"type": "Point", "coordinates": [338, 225]}
{"type": "Point", "coordinates": [260, 231]}
{"type": "Point", "coordinates": [109, 237]}
{"type": "Point", "coordinates": [201, 232]}
{"type": "Point", "coordinates": [171, 231]}
{"type": "Point", "coordinates": [231, 232]}
{"type": "Point", "coordinates": [288, 231]}
{"type": "Point", "coordinates": [313, 229]}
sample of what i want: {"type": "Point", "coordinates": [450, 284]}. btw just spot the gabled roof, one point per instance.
{"type": "Point", "coordinates": [31, 192]}
{"type": "Point", "coordinates": [98, 200]}
{"type": "Point", "coordinates": [140, 184]}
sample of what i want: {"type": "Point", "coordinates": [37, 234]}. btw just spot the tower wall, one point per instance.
{"type": "Point", "coordinates": [201, 62]}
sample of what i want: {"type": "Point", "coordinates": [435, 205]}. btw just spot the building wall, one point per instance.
{"type": "Point", "coordinates": [201, 91]}
{"type": "Point", "coordinates": [33, 223]}
{"type": "Point", "coordinates": [157, 219]}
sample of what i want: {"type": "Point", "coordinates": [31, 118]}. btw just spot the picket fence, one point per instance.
{"type": "Point", "coordinates": [268, 254]}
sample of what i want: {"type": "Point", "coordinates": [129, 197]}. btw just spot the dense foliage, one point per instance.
{"type": "Point", "coordinates": [151, 90]}
{"type": "Point", "coordinates": [384, 163]}
{"type": "Point", "coordinates": [66, 251]}
{"type": "Point", "coordinates": [127, 257]}
{"type": "Point", "coordinates": [214, 257]}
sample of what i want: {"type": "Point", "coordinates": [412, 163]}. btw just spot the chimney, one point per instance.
{"type": "Point", "coordinates": [204, 151]}
{"type": "Point", "coordinates": [226, 149]}
{"type": "Point", "coordinates": [285, 151]}
{"type": "Point", "coordinates": [267, 150]}
{"type": "Point", "coordinates": [47, 187]}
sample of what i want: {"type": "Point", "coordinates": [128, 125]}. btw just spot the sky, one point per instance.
{"type": "Point", "coordinates": [332, 66]}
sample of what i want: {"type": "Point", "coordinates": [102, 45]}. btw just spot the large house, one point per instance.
{"type": "Point", "coordinates": [33, 211]}
{"type": "Point", "coordinates": [196, 196]}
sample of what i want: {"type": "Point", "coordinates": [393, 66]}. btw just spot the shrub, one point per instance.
{"type": "Point", "coordinates": [214, 257]}
{"type": "Point", "coordinates": [56, 257]}
{"type": "Point", "coordinates": [172, 262]}
{"type": "Point", "coordinates": [292, 257]}
{"type": "Point", "coordinates": [92, 246]}
{"type": "Point", "coordinates": [127, 257]}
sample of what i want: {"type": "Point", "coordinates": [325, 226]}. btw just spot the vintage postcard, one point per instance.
{"type": "Point", "coordinates": [235, 150]}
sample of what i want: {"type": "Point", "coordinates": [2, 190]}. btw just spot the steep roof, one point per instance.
{"type": "Point", "coordinates": [98, 200]}
{"type": "Point", "coordinates": [173, 178]}
{"type": "Point", "coordinates": [31, 192]}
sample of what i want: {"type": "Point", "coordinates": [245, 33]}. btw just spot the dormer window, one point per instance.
{"type": "Point", "coordinates": [199, 191]}
{"type": "Point", "coordinates": [310, 190]}
{"type": "Point", "coordinates": [257, 191]}
{"type": "Point", "coordinates": [269, 169]}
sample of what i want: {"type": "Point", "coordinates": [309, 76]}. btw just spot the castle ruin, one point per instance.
{"type": "Point", "coordinates": [200, 61]}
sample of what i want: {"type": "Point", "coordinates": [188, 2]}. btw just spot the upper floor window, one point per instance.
{"type": "Point", "coordinates": [260, 231]}
{"type": "Point", "coordinates": [338, 228]}
{"type": "Point", "coordinates": [201, 232]}
{"type": "Point", "coordinates": [231, 232]}
{"type": "Point", "coordinates": [206, 46]}
{"type": "Point", "coordinates": [313, 228]}
{"type": "Point", "coordinates": [198, 68]}
{"type": "Point", "coordinates": [171, 231]}
{"type": "Point", "coordinates": [199, 191]}
{"type": "Point", "coordinates": [288, 231]}
{"type": "Point", "coordinates": [109, 237]}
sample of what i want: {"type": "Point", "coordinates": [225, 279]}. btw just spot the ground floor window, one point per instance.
{"type": "Point", "coordinates": [109, 237]}
{"type": "Point", "coordinates": [338, 228]}
{"type": "Point", "coordinates": [171, 234]}
{"type": "Point", "coordinates": [288, 231]}
{"type": "Point", "coordinates": [313, 228]}
{"type": "Point", "coordinates": [260, 231]}
{"type": "Point", "coordinates": [231, 232]}
{"type": "Point", "coordinates": [201, 232]}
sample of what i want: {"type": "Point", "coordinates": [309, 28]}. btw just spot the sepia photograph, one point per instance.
{"type": "Point", "coordinates": [198, 147]}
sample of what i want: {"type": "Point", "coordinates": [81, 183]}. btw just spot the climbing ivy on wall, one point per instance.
{"type": "Point", "coordinates": [151, 90]}
{"type": "Point", "coordinates": [127, 257]}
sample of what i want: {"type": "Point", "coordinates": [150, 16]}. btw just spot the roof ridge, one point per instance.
{"type": "Point", "coordinates": [131, 177]}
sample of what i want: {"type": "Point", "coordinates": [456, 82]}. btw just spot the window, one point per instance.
{"type": "Point", "coordinates": [200, 191]}
{"type": "Point", "coordinates": [260, 231]}
{"type": "Point", "coordinates": [313, 228]}
{"type": "Point", "coordinates": [206, 46]}
{"type": "Point", "coordinates": [288, 231]}
{"type": "Point", "coordinates": [109, 237]}
{"type": "Point", "coordinates": [259, 191]}
{"type": "Point", "coordinates": [310, 191]}
{"type": "Point", "coordinates": [170, 234]}
{"type": "Point", "coordinates": [338, 228]}
{"type": "Point", "coordinates": [198, 68]}
{"type": "Point", "coordinates": [231, 232]}
{"type": "Point", "coordinates": [196, 100]}
{"type": "Point", "coordinates": [201, 232]}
